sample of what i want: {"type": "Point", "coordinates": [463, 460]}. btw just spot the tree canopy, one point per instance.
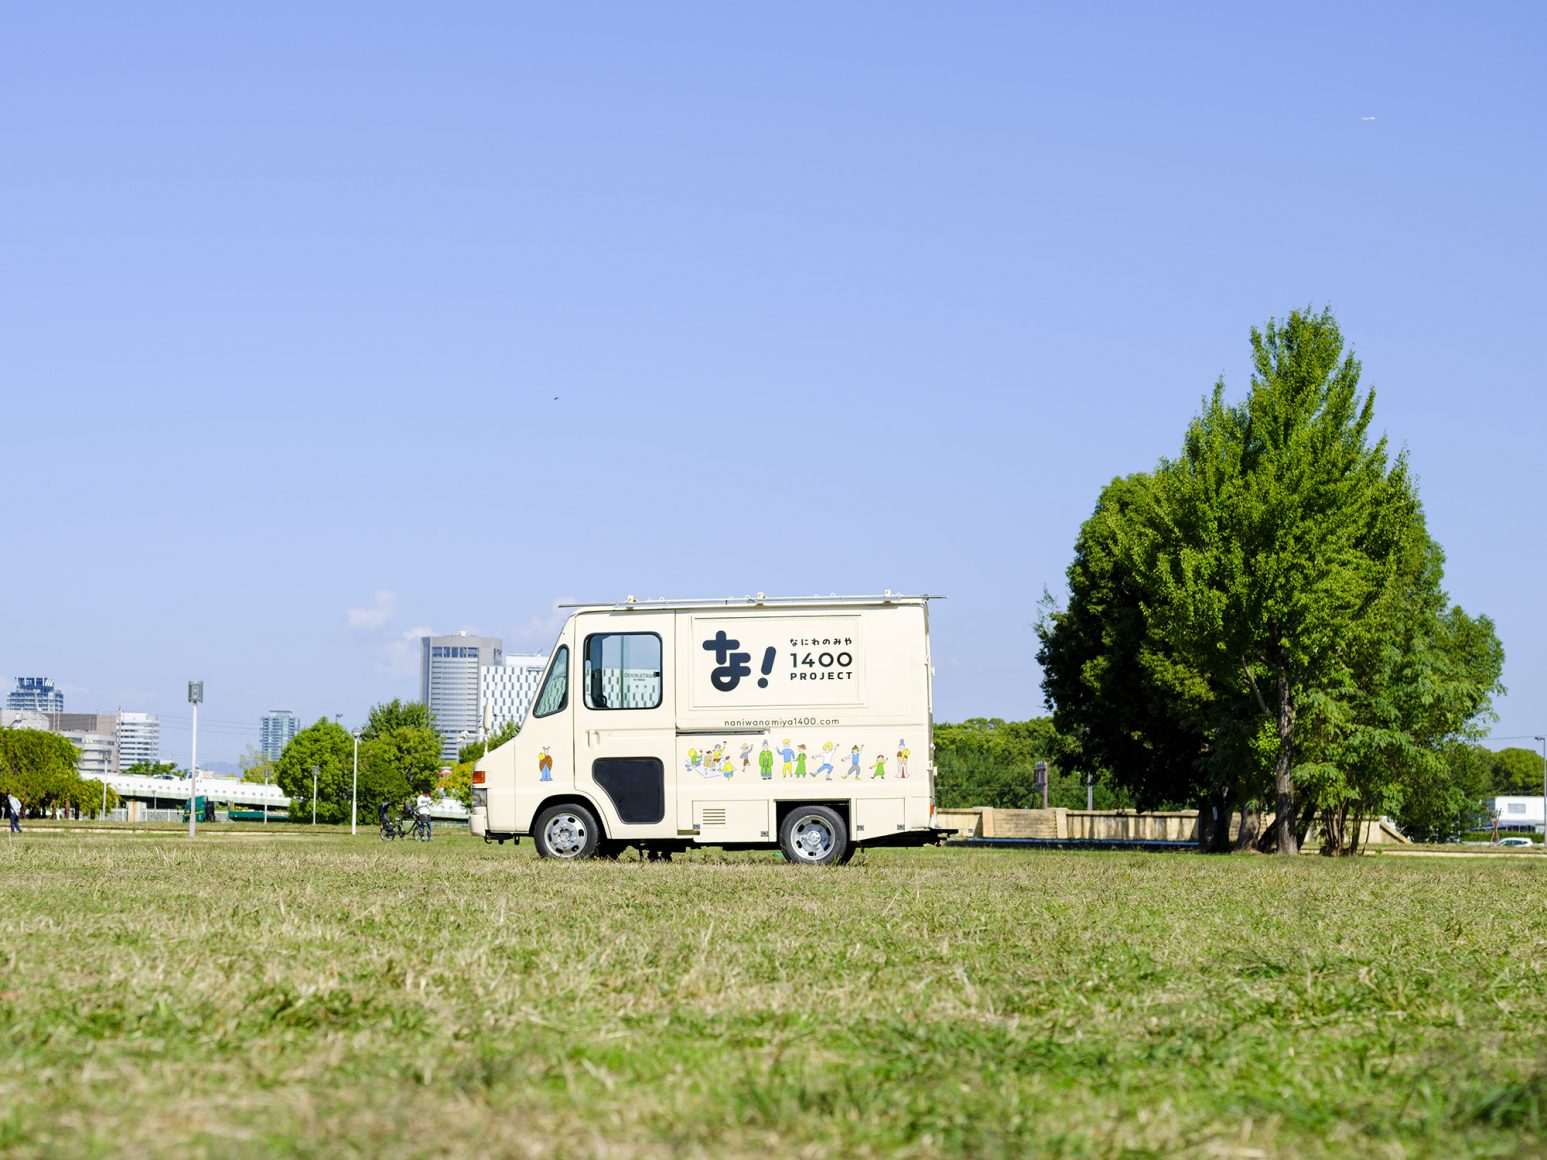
{"type": "Point", "coordinates": [1516, 771]}
{"type": "Point", "coordinates": [396, 762]}
{"type": "Point", "coordinates": [1259, 623]}
{"type": "Point", "coordinates": [396, 714]}
{"type": "Point", "coordinates": [986, 761]}
{"type": "Point", "coordinates": [42, 770]}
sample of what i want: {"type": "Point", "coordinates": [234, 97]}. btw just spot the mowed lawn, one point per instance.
{"type": "Point", "coordinates": [311, 995]}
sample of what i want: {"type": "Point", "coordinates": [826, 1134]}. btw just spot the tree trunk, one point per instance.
{"type": "Point", "coordinates": [1251, 822]}
{"type": "Point", "coordinates": [1214, 822]}
{"type": "Point", "coordinates": [1283, 773]}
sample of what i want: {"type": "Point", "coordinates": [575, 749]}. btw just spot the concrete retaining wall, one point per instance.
{"type": "Point", "coordinates": [1107, 825]}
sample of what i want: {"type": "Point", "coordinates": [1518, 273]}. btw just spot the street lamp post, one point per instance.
{"type": "Point", "coordinates": [1543, 740]}
{"type": "Point", "coordinates": [195, 697]}
{"type": "Point", "coordinates": [314, 795]}
{"type": "Point", "coordinates": [354, 797]}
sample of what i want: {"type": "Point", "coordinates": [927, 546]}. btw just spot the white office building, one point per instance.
{"type": "Point", "coordinates": [507, 689]}
{"type": "Point", "coordinates": [276, 728]}
{"type": "Point", "coordinates": [97, 751]}
{"type": "Point", "coordinates": [1518, 812]}
{"type": "Point", "coordinates": [139, 739]}
{"type": "Point", "coordinates": [449, 683]}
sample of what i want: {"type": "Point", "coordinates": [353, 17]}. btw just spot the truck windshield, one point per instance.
{"type": "Point", "coordinates": [555, 694]}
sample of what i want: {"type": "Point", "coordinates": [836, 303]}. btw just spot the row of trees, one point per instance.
{"type": "Point", "coordinates": [42, 770]}
{"type": "Point", "coordinates": [1257, 627]}
{"type": "Point", "coordinates": [985, 761]}
{"type": "Point", "coordinates": [399, 759]}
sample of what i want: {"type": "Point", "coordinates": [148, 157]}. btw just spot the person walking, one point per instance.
{"type": "Point", "coordinates": [13, 808]}
{"type": "Point", "coordinates": [422, 813]}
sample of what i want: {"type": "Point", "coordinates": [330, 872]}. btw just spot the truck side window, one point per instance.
{"type": "Point", "coordinates": [622, 670]}
{"type": "Point", "coordinates": [555, 694]}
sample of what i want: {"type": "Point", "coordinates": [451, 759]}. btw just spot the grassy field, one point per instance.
{"type": "Point", "coordinates": [316, 996]}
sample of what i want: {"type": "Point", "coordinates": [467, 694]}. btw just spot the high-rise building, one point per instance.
{"type": "Point", "coordinates": [508, 688]}
{"type": "Point", "coordinates": [449, 684]}
{"type": "Point", "coordinates": [275, 730]}
{"type": "Point", "coordinates": [139, 739]}
{"type": "Point", "coordinates": [96, 750]}
{"type": "Point", "coordinates": [37, 694]}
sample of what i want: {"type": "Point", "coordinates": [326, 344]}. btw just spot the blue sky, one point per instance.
{"type": "Point", "coordinates": [322, 325]}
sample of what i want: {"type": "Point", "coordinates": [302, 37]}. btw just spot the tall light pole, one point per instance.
{"type": "Point", "coordinates": [314, 795]}
{"type": "Point", "coordinates": [195, 697]}
{"type": "Point", "coordinates": [1543, 740]}
{"type": "Point", "coordinates": [354, 796]}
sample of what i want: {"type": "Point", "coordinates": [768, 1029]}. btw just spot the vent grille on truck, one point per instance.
{"type": "Point", "coordinates": [714, 815]}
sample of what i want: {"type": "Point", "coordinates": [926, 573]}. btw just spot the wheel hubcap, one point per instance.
{"type": "Point", "coordinates": [813, 839]}
{"type": "Point", "coordinates": [566, 835]}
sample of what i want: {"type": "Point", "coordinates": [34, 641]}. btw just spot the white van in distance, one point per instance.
{"type": "Point", "coordinates": [797, 724]}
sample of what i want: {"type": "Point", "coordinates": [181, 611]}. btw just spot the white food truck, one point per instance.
{"type": "Point", "coordinates": [801, 724]}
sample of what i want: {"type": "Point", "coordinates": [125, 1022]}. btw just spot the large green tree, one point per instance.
{"type": "Point", "coordinates": [41, 769]}
{"type": "Point", "coordinates": [1278, 615]}
{"type": "Point", "coordinates": [1454, 801]}
{"type": "Point", "coordinates": [986, 761]}
{"type": "Point", "coordinates": [1128, 702]}
{"type": "Point", "coordinates": [1516, 771]}
{"type": "Point", "coordinates": [398, 764]}
{"type": "Point", "coordinates": [396, 714]}
{"type": "Point", "coordinates": [329, 748]}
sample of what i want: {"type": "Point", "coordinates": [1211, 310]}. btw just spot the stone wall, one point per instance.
{"type": "Point", "coordinates": [1107, 825]}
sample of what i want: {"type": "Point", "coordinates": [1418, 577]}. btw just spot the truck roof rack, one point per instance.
{"type": "Point", "coordinates": [760, 601]}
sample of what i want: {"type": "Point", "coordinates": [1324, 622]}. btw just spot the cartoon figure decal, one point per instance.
{"type": "Point", "coordinates": [545, 764]}
{"type": "Point", "coordinates": [787, 755]}
{"type": "Point", "coordinates": [746, 756]}
{"type": "Point", "coordinates": [827, 761]}
{"type": "Point", "coordinates": [880, 770]}
{"type": "Point", "coordinates": [765, 762]}
{"type": "Point", "coordinates": [800, 761]}
{"type": "Point", "coordinates": [902, 758]}
{"type": "Point", "coordinates": [854, 762]}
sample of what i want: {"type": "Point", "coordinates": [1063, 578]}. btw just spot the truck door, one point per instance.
{"type": "Point", "coordinates": [625, 722]}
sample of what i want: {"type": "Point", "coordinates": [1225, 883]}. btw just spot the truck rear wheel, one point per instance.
{"type": "Point", "coordinates": [568, 832]}
{"type": "Point", "coordinates": [813, 836]}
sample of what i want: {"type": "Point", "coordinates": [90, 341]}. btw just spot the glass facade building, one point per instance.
{"type": "Point", "coordinates": [275, 729]}
{"type": "Point", "coordinates": [449, 683]}
{"type": "Point", "coordinates": [37, 694]}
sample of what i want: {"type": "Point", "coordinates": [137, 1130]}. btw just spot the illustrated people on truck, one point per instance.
{"type": "Point", "coordinates": [746, 757]}
{"type": "Point", "coordinates": [545, 764]}
{"type": "Point", "coordinates": [854, 762]}
{"type": "Point", "coordinates": [765, 761]}
{"type": "Point", "coordinates": [788, 756]}
{"type": "Point", "coordinates": [800, 761]}
{"type": "Point", "coordinates": [827, 761]}
{"type": "Point", "coordinates": [902, 757]}
{"type": "Point", "coordinates": [880, 770]}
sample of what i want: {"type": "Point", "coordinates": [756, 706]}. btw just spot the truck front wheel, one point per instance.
{"type": "Point", "coordinates": [813, 836]}
{"type": "Point", "coordinates": [568, 832]}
